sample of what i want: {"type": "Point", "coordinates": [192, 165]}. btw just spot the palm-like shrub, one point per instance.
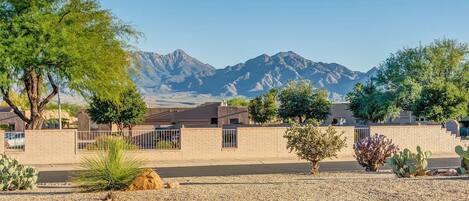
{"type": "Point", "coordinates": [372, 152]}
{"type": "Point", "coordinates": [111, 169]}
{"type": "Point", "coordinates": [313, 143]}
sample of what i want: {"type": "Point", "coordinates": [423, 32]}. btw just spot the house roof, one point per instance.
{"type": "Point", "coordinates": [6, 109]}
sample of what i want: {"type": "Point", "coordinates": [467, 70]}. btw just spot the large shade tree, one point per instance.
{"type": "Point", "coordinates": [370, 104]}
{"type": "Point", "coordinates": [298, 100]}
{"type": "Point", "coordinates": [263, 109]}
{"type": "Point", "coordinates": [430, 80]}
{"type": "Point", "coordinates": [44, 43]}
{"type": "Point", "coordinates": [125, 113]}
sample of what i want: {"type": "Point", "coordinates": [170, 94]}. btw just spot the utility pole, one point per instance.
{"type": "Point", "coordinates": [58, 102]}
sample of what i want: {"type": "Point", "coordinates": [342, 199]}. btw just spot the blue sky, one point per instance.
{"type": "Point", "coordinates": [356, 33]}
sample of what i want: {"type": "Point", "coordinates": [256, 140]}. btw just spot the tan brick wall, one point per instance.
{"type": "Point", "coordinates": [58, 147]}
{"type": "Point", "coordinates": [429, 137]}
{"type": "Point", "coordinates": [47, 147]}
{"type": "Point", "coordinates": [200, 143]}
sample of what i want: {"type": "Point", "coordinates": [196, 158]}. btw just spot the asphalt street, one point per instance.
{"type": "Point", "coordinates": [226, 170]}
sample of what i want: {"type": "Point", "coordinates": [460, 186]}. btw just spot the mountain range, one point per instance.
{"type": "Point", "coordinates": [179, 72]}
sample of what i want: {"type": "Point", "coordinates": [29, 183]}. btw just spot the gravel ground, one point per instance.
{"type": "Point", "coordinates": [328, 186]}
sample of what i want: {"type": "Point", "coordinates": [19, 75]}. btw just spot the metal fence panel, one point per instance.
{"type": "Point", "coordinates": [14, 141]}
{"type": "Point", "coordinates": [229, 138]}
{"type": "Point", "coordinates": [361, 133]}
{"type": "Point", "coordinates": [168, 139]}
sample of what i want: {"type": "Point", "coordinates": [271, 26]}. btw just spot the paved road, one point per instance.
{"type": "Point", "coordinates": [225, 170]}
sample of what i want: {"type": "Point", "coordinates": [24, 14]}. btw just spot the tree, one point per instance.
{"type": "Point", "coordinates": [125, 114]}
{"type": "Point", "coordinates": [238, 102]}
{"type": "Point", "coordinates": [314, 144]}
{"type": "Point", "coordinates": [439, 68]}
{"type": "Point", "coordinates": [299, 100]}
{"type": "Point", "coordinates": [442, 101]}
{"type": "Point", "coordinates": [370, 104]}
{"type": "Point", "coordinates": [44, 43]}
{"type": "Point", "coordinates": [263, 109]}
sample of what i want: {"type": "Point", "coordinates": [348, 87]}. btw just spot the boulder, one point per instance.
{"type": "Point", "coordinates": [147, 180]}
{"type": "Point", "coordinates": [172, 184]}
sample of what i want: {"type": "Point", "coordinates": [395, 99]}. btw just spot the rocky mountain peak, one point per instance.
{"type": "Point", "coordinates": [179, 72]}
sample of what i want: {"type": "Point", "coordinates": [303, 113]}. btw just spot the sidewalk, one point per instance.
{"type": "Point", "coordinates": [191, 163]}
{"type": "Point", "coordinates": [219, 162]}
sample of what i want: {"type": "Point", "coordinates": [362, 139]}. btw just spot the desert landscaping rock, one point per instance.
{"type": "Point", "coordinates": [147, 180]}
{"type": "Point", "coordinates": [172, 184]}
{"type": "Point", "coordinates": [327, 186]}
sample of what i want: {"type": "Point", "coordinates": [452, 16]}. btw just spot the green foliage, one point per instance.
{"type": "Point", "coordinates": [19, 99]}
{"type": "Point", "coordinates": [263, 109]}
{"type": "Point", "coordinates": [238, 102]}
{"type": "Point", "coordinates": [464, 154]}
{"type": "Point", "coordinates": [402, 164]}
{"type": "Point", "coordinates": [102, 143]}
{"type": "Point", "coordinates": [299, 100]}
{"type": "Point", "coordinates": [70, 108]}
{"type": "Point", "coordinates": [128, 111]}
{"type": "Point", "coordinates": [370, 104]}
{"type": "Point", "coordinates": [49, 42]}
{"type": "Point", "coordinates": [441, 101]}
{"type": "Point", "coordinates": [430, 80]}
{"type": "Point", "coordinates": [461, 170]}
{"type": "Point", "coordinates": [407, 164]}
{"type": "Point", "coordinates": [14, 176]}
{"type": "Point", "coordinates": [112, 169]}
{"type": "Point", "coordinates": [421, 161]}
{"type": "Point", "coordinates": [314, 144]}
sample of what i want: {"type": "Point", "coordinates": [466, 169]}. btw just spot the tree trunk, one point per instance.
{"type": "Point", "coordinates": [33, 84]}
{"type": "Point", "coordinates": [314, 168]}
{"type": "Point", "coordinates": [373, 168]}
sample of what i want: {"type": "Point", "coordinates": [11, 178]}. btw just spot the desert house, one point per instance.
{"type": "Point", "coordinates": [341, 116]}
{"type": "Point", "coordinates": [210, 114]}
{"type": "Point", "coordinates": [9, 121]}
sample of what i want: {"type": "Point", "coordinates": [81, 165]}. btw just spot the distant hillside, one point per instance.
{"type": "Point", "coordinates": [179, 72]}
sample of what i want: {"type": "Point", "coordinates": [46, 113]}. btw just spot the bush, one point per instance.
{"type": "Point", "coordinates": [314, 144]}
{"type": "Point", "coordinates": [464, 154]}
{"type": "Point", "coordinates": [14, 176]}
{"type": "Point", "coordinates": [102, 143]}
{"type": "Point", "coordinates": [111, 169]}
{"type": "Point", "coordinates": [372, 152]}
{"type": "Point", "coordinates": [407, 164]}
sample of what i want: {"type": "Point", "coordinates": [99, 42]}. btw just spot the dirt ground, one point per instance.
{"type": "Point", "coordinates": [327, 186]}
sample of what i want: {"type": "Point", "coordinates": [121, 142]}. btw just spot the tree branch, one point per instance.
{"type": "Point", "coordinates": [63, 16]}
{"type": "Point", "coordinates": [55, 90]}
{"type": "Point", "coordinates": [16, 110]}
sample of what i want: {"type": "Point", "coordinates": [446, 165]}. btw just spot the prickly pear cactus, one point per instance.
{"type": "Point", "coordinates": [403, 164]}
{"type": "Point", "coordinates": [464, 154]}
{"type": "Point", "coordinates": [14, 176]}
{"type": "Point", "coordinates": [407, 164]}
{"type": "Point", "coordinates": [421, 161]}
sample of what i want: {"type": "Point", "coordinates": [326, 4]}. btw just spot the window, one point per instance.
{"type": "Point", "coordinates": [234, 121]}
{"type": "Point", "coordinates": [214, 121]}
